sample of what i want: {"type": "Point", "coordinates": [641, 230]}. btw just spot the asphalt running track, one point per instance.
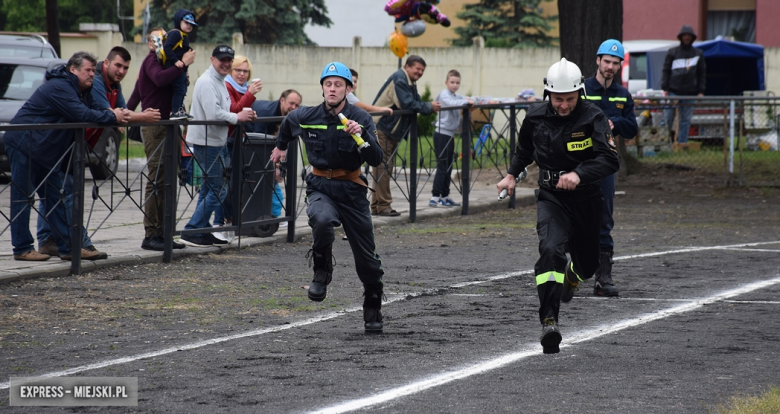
{"type": "Point", "coordinates": [681, 347]}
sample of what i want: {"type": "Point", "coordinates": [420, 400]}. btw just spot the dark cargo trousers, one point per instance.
{"type": "Point", "coordinates": [566, 220]}
{"type": "Point", "coordinates": [334, 202]}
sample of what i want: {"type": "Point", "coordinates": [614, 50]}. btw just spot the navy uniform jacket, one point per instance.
{"type": "Point", "coordinates": [580, 142]}
{"type": "Point", "coordinates": [327, 145]}
{"type": "Point", "coordinates": [617, 104]}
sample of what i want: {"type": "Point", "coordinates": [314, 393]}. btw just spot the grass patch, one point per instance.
{"type": "Point", "coordinates": [768, 402]}
{"type": "Point", "coordinates": [754, 165]}
{"type": "Point", "coordinates": [131, 149]}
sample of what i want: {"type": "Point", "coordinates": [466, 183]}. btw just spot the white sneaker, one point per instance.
{"type": "Point", "coordinates": [220, 236]}
{"type": "Point", "coordinates": [283, 224]}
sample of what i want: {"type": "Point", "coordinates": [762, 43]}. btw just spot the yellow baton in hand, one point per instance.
{"type": "Point", "coordinates": [358, 139]}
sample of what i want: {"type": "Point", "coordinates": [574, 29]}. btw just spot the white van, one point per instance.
{"type": "Point", "coordinates": [635, 62]}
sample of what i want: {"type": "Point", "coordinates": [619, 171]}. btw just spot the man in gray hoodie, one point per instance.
{"type": "Point", "coordinates": [211, 102]}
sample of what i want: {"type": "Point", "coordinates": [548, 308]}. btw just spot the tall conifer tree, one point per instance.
{"type": "Point", "coordinates": [505, 23]}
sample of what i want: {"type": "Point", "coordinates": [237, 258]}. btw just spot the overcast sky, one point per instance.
{"type": "Point", "coordinates": [365, 18]}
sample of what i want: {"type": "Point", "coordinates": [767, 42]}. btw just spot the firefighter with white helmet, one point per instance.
{"type": "Point", "coordinates": [604, 90]}
{"type": "Point", "coordinates": [570, 140]}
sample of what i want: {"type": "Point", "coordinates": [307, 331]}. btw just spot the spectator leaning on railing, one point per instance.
{"type": "Point", "coordinates": [65, 98]}
{"type": "Point", "coordinates": [242, 95]}
{"type": "Point", "coordinates": [154, 89]}
{"type": "Point", "coordinates": [107, 93]}
{"type": "Point", "coordinates": [398, 92]}
{"type": "Point", "coordinates": [211, 102]}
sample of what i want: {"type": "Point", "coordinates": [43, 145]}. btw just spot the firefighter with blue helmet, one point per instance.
{"type": "Point", "coordinates": [570, 140]}
{"type": "Point", "coordinates": [605, 90]}
{"type": "Point", "coordinates": [335, 189]}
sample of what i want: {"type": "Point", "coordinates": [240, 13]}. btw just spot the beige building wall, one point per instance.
{"type": "Point", "coordinates": [501, 73]}
{"type": "Point", "coordinates": [493, 72]}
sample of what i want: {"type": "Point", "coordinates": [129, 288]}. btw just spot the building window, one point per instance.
{"type": "Point", "coordinates": [741, 25]}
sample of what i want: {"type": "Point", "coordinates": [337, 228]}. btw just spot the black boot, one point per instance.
{"type": "Point", "coordinates": [604, 285]}
{"type": "Point", "coordinates": [372, 307]}
{"type": "Point", "coordinates": [323, 273]}
{"type": "Point", "coordinates": [551, 336]}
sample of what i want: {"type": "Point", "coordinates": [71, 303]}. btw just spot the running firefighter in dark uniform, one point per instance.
{"type": "Point", "coordinates": [570, 140]}
{"type": "Point", "coordinates": [336, 191]}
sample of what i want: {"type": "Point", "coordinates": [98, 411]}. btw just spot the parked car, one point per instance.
{"type": "Point", "coordinates": [25, 46]}
{"type": "Point", "coordinates": [635, 62]}
{"type": "Point", "coordinates": [19, 78]}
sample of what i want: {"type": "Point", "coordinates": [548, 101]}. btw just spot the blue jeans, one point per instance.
{"type": "Point", "coordinates": [686, 113]}
{"type": "Point", "coordinates": [213, 190]}
{"type": "Point", "coordinates": [225, 210]}
{"type": "Point", "coordinates": [44, 230]}
{"type": "Point", "coordinates": [27, 176]}
{"type": "Point", "coordinates": [179, 92]}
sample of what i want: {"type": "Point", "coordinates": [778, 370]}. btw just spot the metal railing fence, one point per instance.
{"type": "Point", "coordinates": [732, 136]}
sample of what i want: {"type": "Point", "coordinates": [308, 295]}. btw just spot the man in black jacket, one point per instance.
{"type": "Point", "coordinates": [570, 140]}
{"type": "Point", "coordinates": [398, 92]}
{"type": "Point", "coordinates": [684, 73]}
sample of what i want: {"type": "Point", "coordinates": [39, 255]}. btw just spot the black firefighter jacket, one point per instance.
{"type": "Point", "coordinates": [580, 142]}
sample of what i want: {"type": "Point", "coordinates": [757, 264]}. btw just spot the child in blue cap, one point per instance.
{"type": "Point", "coordinates": [176, 45]}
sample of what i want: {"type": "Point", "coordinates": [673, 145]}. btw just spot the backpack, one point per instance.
{"type": "Point", "coordinates": [159, 42]}
{"type": "Point", "coordinates": [159, 46]}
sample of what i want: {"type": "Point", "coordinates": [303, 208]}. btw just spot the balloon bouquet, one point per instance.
{"type": "Point", "coordinates": [414, 14]}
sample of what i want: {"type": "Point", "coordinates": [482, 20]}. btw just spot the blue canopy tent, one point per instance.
{"type": "Point", "coordinates": [732, 67]}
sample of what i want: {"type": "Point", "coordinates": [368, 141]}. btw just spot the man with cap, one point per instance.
{"type": "Point", "coordinates": [570, 140]}
{"type": "Point", "coordinates": [618, 105]}
{"type": "Point", "coordinates": [684, 73]}
{"type": "Point", "coordinates": [211, 102]}
{"type": "Point", "coordinates": [335, 189]}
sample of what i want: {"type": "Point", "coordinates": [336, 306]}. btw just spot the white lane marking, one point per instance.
{"type": "Point", "coordinates": [751, 250]}
{"type": "Point", "coordinates": [754, 302]}
{"type": "Point", "coordinates": [200, 344]}
{"type": "Point", "coordinates": [606, 300]}
{"type": "Point", "coordinates": [505, 360]}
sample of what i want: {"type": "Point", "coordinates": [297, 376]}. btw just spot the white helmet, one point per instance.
{"type": "Point", "coordinates": [563, 77]}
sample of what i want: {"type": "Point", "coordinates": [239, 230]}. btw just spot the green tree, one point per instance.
{"type": "Point", "coordinates": [505, 23]}
{"type": "Point", "coordinates": [260, 21]}
{"type": "Point", "coordinates": [30, 16]}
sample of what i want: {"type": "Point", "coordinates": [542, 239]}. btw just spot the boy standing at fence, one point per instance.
{"type": "Point", "coordinates": [176, 45]}
{"type": "Point", "coordinates": [447, 124]}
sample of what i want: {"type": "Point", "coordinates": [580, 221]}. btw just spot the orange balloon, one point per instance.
{"type": "Point", "coordinates": [398, 44]}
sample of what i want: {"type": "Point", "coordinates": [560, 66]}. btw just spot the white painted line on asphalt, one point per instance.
{"type": "Point", "coordinates": [505, 360]}
{"type": "Point", "coordinates": [752, 250]}
{"type": "Point", "coordinates": [333, 315]}
{"type": "Point", "coordinates": [692, 249]}
{"type": "Point", "coordinates": [754, 302]}
{"type": "Point", "coordinates": [635, 256]}
{"type": "Point", "coordinates": [200, 344]}
{"type": "Point", "coordinates": [622, 298]}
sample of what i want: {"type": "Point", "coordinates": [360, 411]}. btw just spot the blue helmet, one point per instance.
{"type": "Point", "coordinates": [611, 47]}
{"type": "Point", "coordinates": [336, 69]}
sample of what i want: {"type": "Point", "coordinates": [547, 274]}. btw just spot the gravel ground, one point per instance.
{"type": "Point", "coordinates": [683, 363]}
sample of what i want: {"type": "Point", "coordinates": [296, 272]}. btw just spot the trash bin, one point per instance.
{"type": "Point", "coordinates": [257, 188]}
